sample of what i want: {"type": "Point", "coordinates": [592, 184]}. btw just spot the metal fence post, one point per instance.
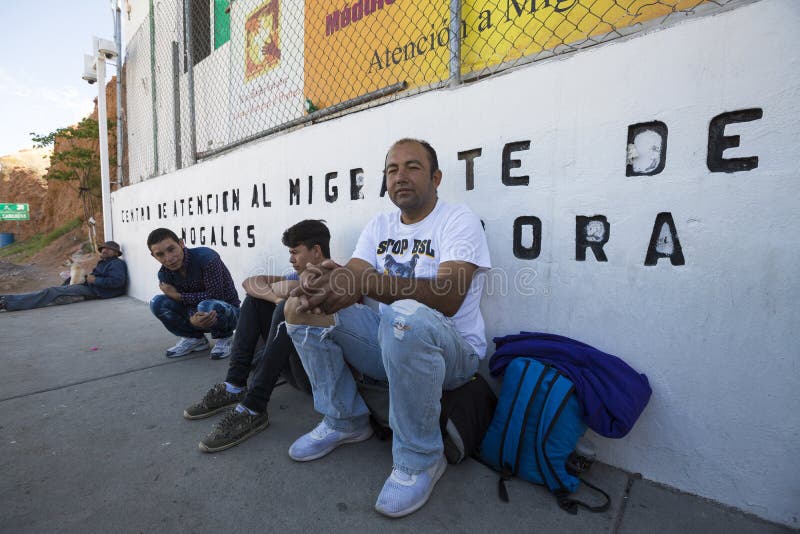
{"type": "Point", "coordinates": [153, 93]}
{"type": "Point", "coordinates": [455, 43]}
{"type": "Point", "coordinates": [118, 44]}
{"type": "Point", "coordinates": [187, 15]}
{"type": "Point", "coordinates": [176, 102]}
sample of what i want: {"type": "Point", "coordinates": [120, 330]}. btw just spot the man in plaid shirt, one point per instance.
{"type": "Point", "coordinates": [199, 295]}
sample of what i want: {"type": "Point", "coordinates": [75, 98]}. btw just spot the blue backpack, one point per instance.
{"type": "Point", "coordinates": [535, 428]}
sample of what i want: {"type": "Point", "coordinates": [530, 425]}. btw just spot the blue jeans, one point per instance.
{"type": "Point", "coordinates": [175, 316]}
{"type": "Point", "coordinates": [50, 295]}
{"type": "Point", "coordinates": [415, 348]}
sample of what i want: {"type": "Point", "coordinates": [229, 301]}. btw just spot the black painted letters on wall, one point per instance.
{"type": "Point", "coordinates": [718, 141]}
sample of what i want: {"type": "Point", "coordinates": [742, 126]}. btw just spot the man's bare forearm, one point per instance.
{"type": "Point", "coordinates": [260, 286]}
{"type": "Point", "coordinates": [335, 288]}
{"type": "Point", "coordinates": [444, 293]}
{"type": "Point", "coordinates": [438, 293]}
{"type": "Point", "coordinates": [283, 288]}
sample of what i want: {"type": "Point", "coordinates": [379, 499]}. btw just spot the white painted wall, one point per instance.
{"type": "Point", "coordinates": [138, 114]}
{"type": "Point", "coordinates": [134, 14]}
{"type": "Point", "coordinates": [716, 336]}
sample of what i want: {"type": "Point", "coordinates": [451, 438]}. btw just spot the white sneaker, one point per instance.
{"type": "Point", "coordinates": [322, 440]}
{"type": "Point", "coordinates": [403, 494]}
{"type": "Point", "coordinates": [186, 345]}
{"type": "Point", "coordinates": [222, 348]}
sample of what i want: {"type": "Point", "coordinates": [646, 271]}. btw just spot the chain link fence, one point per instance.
{"type": "Point", "coordinates": [207, 75]}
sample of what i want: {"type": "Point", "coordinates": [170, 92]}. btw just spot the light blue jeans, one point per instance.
{"type": "Point", "coordinates": [175, 316]}
{"type": "Point", "coordinates": [415, 348]}
{"type": "Point", "coordinates": [51, 295]}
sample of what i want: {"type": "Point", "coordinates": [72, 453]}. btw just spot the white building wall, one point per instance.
{"type": "Point", "coordinates": [138, 114]}
{"type": "Point", "coordinates": [134, 14]}
{"type": "Point", "coordinates": [228, 108]}
{"type": "Point", "coordinates": [716, 336]}
{"type": "Point", "coordinates": [168, 28]}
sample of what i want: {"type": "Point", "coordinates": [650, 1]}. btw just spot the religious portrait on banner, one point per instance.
{"type": "Point", "coordinates": [262, 40]}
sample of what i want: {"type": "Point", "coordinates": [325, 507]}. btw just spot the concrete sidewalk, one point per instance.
{"type": "Point", "coordinates": [92, 440]}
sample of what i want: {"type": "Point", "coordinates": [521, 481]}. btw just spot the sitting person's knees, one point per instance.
{"type": "Point", "coordinates": [404, 316]}
{"type": "Point", "coordinates": [406, 307]}
{"type": "Point", "coordinates": [205, 306]}
{"type": "Point", "coordinates": [158, 302]}
{"type": "Point", "coordinates": [291, 313]}
{"type": "Point", "coordinates": [294, 316]}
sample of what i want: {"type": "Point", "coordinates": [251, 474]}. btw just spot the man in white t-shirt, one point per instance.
{"type": "Point", "coordinates": [425, 264]}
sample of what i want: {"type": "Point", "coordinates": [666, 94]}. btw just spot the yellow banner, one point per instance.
{"type": "Point", "coordinates": [500, 31]}
{"type": "Point", "coordinates": [354, 47]}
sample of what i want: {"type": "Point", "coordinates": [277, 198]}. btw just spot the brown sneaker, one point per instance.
{"type": "Point", "coordinates": [233, 429]}
{"type": "Point", "coordinates": [216, 400]}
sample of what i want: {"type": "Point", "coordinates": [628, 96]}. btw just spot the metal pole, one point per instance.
{"type": "Point", "coordinates": [187, 16]}
{"type": "Point", "coordinates": [455, 43]}
{"type": "Point", "coordinates": [102, 122]}
{"type": "Point", "coordinates": [118, 42]}
{"type": "Point", "coordinates": [153, 86]}
{"type": "Point", "coordinates": [176, 102]}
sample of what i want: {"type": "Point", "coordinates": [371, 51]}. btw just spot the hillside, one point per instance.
{"type": "Point", "coordinates": [25, 178]}
{"type": "Point", "coordinates": [52, 203]}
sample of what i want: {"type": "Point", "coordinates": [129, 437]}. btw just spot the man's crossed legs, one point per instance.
{"type": "Point", "coordinates": [418, 351]}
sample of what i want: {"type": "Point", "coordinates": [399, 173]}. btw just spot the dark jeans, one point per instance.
{"type": "Point", "coordinates": [64, 294]}
{"type": "Point", "coordinates": [175, 316]}
{"type": "Point", "coordinates": [259, 318]}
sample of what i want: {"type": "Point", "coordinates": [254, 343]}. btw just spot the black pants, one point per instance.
{"type": "Point", "coordinates": [259, 318]}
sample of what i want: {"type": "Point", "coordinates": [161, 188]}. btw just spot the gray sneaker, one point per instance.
{"type": "Point", "coordinates": [215, 401]}
{"type": "Point", "coordinates": [222, 348]}
{"type": "Point", "coordinates": [233, 429]}
{"type": "Point", "coordinates": [186, 345]}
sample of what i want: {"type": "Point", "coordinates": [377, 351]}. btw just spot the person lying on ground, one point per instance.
{"type": "Point", "coordinates": [108, 279]}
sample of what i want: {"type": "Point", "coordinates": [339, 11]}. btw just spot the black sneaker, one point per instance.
{"type": "Point", "coordinates": [233, 429]}
{"type": "Point", "coordinates": [215, 401]}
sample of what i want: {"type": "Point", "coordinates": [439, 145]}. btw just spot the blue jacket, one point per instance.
{"type": "Point", "coordinates": [610, 392]}
{"type": "Point", "coordinates": [111, 278]}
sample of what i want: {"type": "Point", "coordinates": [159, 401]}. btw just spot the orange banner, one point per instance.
{"type": "Point", "coordinates": [354, 47]}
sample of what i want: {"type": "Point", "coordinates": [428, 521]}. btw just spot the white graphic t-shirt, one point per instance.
{"type": "Point", "coordinates": [448, 233]}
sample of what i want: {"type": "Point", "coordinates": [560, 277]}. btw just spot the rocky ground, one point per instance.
{"type": "Point", "coordinates": [41, 270]}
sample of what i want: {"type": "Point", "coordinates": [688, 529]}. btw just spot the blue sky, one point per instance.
{"type": "Point", "coordinates": [42, 44]}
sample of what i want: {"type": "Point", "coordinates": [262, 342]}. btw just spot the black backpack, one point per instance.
{"type": "Point", "coordinates": [465, 416]}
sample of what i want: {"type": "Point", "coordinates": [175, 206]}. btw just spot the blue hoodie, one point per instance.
{"type": "Point", "coordinates": [111, 278]}
{"type": "Point", "coordinates": [610, 392]}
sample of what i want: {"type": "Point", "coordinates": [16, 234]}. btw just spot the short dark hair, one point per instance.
{"type": "Point", "coordinates": [433, 159]}
{"type": "Point", "coordinates": [160, 234]}
{"type": "Point", "coordinates": [309, 232]}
